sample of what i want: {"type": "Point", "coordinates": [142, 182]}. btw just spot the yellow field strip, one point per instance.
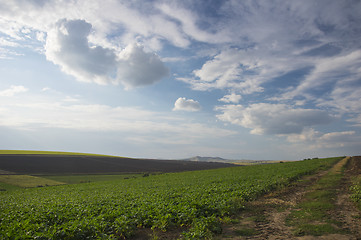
{"type": "Point", "coordinates": [30, 152]}
{"type": "Point", "coordinates": [5, 172]}
{"type": "Point", "coordinates": [28, 181]}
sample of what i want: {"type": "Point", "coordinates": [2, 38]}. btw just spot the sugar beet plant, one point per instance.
{"type": "Point", "coordinates": [356, 192]}
{"type": "Point", "coordinates": [116, 209]}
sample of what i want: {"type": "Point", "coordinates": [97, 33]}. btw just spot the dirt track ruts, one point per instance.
{"type": "Point", "coordinates": [267, 215]}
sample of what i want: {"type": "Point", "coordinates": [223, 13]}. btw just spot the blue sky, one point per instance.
{"type": "Point", "coordinates": [175, 79]}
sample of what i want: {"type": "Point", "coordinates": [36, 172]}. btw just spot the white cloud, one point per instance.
{"type": "Point", "coordinates": [12, 91]}
{"type": "Point", "coordinates": [6, 53]}
{"type": "Point", "coordinates": [183, 104]}
{"type": "Point", "coordinates": [64, 114]}
{"type": "Point", "coordinates": [231, 98]}
{"type": "Point", "coordinates": [336, 136]}
{"type": "Point", "coordinates": [5, 42]}
{"type": "Point", "coordinates": [331, 140]}
{"type": "Point", "coordinates": [345, 96]}
{"type": "Point", "coordinates": [243, 70]}
{"type": "Point", "coordinates": [130, 20]}
{"type": "Point", "coordinates": [334, 140]}
{"type": "Point", "coordinates": [40, 36]}
{"type": "Point", "coordinates": [44, 89]}
{"type": "Point", "coordinates": [139, 68]}
{"type": "Point", "coordinates": [68, 46]}
{"type": "Point", "coordinates": [223, 71]}
{"type": "Point", "coordinates": [279, 38]}
{"type": "Point", "coordinates": [327, 72]}
{"type": "Point", "coordinates": [356, 120]}
{"type": "Point", "coordinates": [139, 20]}
{"type": "Point", "coordinates": [189, 21]}
{"type": "Point", "coordinates": [307, 135]}
{"type": "Point", "coordinates": [265, 118]}
{"type": "Point", "coordinates": [277, 35]}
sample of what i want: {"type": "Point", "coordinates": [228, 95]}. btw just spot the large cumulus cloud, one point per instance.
{"type": "Point", "coordinates": [137, 68]}
{"type": "Point", "coordinates": [68, 46]}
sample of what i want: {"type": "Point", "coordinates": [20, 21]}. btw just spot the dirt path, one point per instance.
{"type": "Point", "coordinates": [346, 211]}
{"type": "Point", "coordinates": [266, 217]}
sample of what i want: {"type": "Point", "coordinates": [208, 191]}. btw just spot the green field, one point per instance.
{"type": "Point", "coordinates": [74, 179]}
{"type": "Point", "coordinates": [28, 181]}
{"type": "Point", "coordinates": [195, 202]}
{"type": "Point", "coordinates": [7, 187]}
{"type": "Point", "coordinates": [356, 191]}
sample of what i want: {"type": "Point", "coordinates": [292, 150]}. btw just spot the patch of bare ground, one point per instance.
{"type": "Point", "coordinates": [267, 214]}
{"type": "Point", "coordinates": [265, 218]}
{"type": "Point", "coordinates": [146, 233]}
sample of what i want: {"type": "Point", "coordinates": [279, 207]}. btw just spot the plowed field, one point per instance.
{"type": "Point", "coordinates": [85, 164]}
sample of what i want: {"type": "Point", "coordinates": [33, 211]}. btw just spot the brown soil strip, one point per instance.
{"type": "Point", "coordinates": [51, 164]}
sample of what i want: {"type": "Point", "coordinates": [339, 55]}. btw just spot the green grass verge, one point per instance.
{"type": "Point", "coordinates": [7, 187]}
{"type": "Point", "coordinates": [315, 229]}
{"type": "Point", "coordinates": [246, 231]}
{"type": "Point", "coordinates": [356, 191]}
{"type": "Point", "coordinates": [28, 181]}
{"type": "Point", "coordinates": [312, 216]}
{"type": "Point", "coordinates": [75, 179]}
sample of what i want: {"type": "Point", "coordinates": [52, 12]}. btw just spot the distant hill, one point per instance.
{"type": "Point", "coordinates": [206, 159]}
{"type": "Point", "coordinates": [230, 161]}
{"type": "Point", "coordinates": [95, 164]}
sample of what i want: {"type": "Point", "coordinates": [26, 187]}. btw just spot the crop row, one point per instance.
{"type": "Point", "coordinates": [356, 191]}
{"type": "Point", "coordinates": [116, 209]}
{"type": "Point", "coordinates": [356, 180]}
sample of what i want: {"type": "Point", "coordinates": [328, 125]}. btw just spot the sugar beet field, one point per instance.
{"type": "Point", "coordinates": [186, 205]}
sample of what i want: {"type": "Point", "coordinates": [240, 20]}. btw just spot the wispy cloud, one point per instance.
{"type": "Point", "coordinates": [265, 118]}
{"type": "Point", "coordinates": [231, 98]}
{"type": "Point", "coordinates": [332, 140]}
{"type": "Point", "coordinates": [328, 71]}
{"type": "Point", "coordinates": [188, 22]}
{"type": "Point", "coordinates": [62, 112]}
{"type": "Point", "coordinates": [12, 91]}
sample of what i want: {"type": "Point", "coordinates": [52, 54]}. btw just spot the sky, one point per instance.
{"type": "Point", "coordinates": [250, 79]}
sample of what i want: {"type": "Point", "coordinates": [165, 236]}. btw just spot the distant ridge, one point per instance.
{"type": "Point", "coordinates": [222, 160]}
{"type": "Point", "coordinates": [206, 159]}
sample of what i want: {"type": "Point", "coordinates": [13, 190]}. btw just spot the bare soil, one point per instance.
{"type": "Point", "coordinates": [86, 164]}
{"type": "Point", "coordinates": [265, 218]}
